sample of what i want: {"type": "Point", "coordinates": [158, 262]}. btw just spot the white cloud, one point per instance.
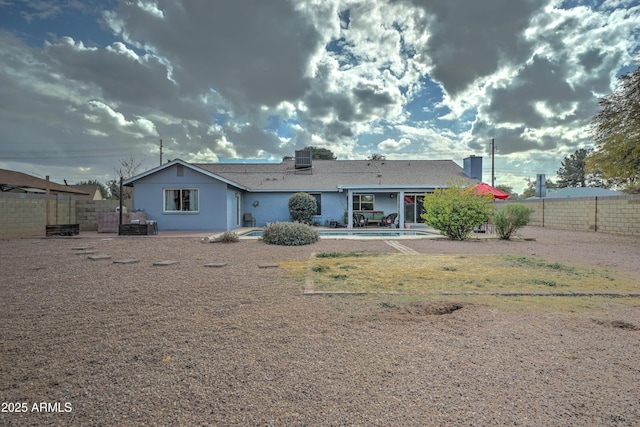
{"type": "Point", "coordinates": [203, 156]}
{"type": "Point", "coordinates": [151, 8]}
{"type": "Point", "coordinates": [393, 145]}
{"type": "Point", "coordinates": [246, 79]}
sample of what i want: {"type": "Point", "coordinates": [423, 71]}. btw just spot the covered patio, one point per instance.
{"type": "Point", "coordinates": [405, 201]}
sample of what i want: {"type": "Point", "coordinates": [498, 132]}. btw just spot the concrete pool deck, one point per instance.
{"type": "Point", "coordinates": [422, 231]}
{"type": "Point", "coordinates": [429, 233]}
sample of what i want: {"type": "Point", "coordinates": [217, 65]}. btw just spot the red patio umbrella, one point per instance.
{"type": "Point", "coordinates": [483, 188]}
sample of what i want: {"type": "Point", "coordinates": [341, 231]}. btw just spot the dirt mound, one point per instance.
{"type": "Point", "coordinates": [421, 309]}
{"type": "Point", "coordinates": [619, 324]}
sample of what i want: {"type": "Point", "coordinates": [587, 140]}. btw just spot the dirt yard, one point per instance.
{"type": "Point", "coordinates": [96, 343]}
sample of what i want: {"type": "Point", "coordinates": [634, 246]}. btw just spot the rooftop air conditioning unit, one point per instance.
{"type": "Point", "coordinates": [303, 159]}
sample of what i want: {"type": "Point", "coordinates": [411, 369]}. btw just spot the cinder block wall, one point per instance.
{"type": "Point", "coordinates": [21, 216]}
{"type": "Point", "coordinates": [25, 215]}
{"type": "Point", "coordinates": [63, 210]}
{"type": "Point", "coordinates": [619, 214]}
{"type": "Point", "coordinates": [88, 211]}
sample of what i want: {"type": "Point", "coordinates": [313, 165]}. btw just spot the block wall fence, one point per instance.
{"type": "Point", "coordinates": [25, 215]}
{"type": "Point", "coordinates": [616, 215]}
{"type": "Point", "coordinates": [88, 211]}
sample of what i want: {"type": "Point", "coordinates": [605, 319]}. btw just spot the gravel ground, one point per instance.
{"type": "Point", "coordinates": [107, 344]}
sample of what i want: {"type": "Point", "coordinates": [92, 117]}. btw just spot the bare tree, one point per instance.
{"type": "Point", "coordinates": [128, 167]}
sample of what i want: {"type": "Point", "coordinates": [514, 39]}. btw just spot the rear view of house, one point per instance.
{"type": "Point", "coordinates": [220, 196]}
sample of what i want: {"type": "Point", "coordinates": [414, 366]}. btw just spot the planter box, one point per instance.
{"type": "Point", "coordinates": [137, 229]}
{"type": "Point", "coordinates": [63, 230]}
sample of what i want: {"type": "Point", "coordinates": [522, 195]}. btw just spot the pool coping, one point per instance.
{"type": "Point", "coordinates": [429, 233]}
{"type": "Point", "coordinates": [357, 236]}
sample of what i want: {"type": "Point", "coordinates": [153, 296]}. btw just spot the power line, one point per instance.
{"type": "Point", "coordinates": [50, 154]}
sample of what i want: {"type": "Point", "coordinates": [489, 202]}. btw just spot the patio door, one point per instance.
{"type": "Point", "coordinates": [413, 208]}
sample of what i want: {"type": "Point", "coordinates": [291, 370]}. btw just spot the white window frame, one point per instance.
{"type": "Point", "coordinates": [359, 201]}
{"type": "Point", "coordinates": [166, 191]}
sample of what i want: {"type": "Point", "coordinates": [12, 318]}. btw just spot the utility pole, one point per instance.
{"type": "Point", "coordinates": [161, 152]}
{"type": "Point", "coordinates": [493, 164]}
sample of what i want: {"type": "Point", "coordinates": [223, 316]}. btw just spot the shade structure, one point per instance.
{"type": "Point", "coordinates": [483, 188]}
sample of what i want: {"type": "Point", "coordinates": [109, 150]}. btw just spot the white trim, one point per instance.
{"type": "Point", "coordinates": [181, 189]}
{"type": "Point", "coordinates": [359, 196]}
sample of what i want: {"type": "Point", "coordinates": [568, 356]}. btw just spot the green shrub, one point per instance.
{"type": "Point", "coordinates": [455, 212]}
{"type": "Point", "coordinates": [228, 237]}
{"type": "Point", "coordinates": [510, 218]}
{"type": "Point", "coordinates": [289, 234]}
{"type": "Point", "coordinates": [302, 207]}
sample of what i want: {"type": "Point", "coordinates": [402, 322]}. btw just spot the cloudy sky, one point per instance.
{"type": "Point", "coordinates": [87, 83]}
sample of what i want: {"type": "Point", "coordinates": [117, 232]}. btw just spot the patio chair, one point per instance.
{"type": "Point", "coordinates": [248, 219]}
{"type": "Point", "coordinates": [389, 220]}
{"type": "Point", "coordinates": [482, 228]}
{"type": "Point", "coordinates": [359, 220]}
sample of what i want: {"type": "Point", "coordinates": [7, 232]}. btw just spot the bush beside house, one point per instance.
{"type": "Point", "coordinates": [302, 207]}
{"type": "Point", "coordinates": [456, 212]}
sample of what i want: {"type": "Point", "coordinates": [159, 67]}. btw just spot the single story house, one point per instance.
{"type": "Point", "coordinates": [92, 192]}
{"type": "Point", "coordinates": [572, 192]}
{"type": "Point", "coordinates": [223, 196]}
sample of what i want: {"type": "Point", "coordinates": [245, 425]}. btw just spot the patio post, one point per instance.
{"type": "Point", "coordinates": [401, 210]}
{"type": "Point", "coordinates": [349, 223]}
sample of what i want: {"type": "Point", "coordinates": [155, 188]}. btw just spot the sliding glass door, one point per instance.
{"type": "Point", "coordinates": [413, 208]}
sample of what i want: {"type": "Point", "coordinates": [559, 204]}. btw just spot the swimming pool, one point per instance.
{"type": "Point", "coordinates": [359, 233]}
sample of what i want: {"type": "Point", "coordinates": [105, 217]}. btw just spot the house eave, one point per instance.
{"type": "Point", "coordinates": [387, 188]}
{"type": "Point", "coordinates": [294, 190]}
{"type": "Point", "coordinates": [130, 181]}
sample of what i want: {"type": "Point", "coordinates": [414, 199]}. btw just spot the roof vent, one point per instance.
{"type": "Point", "coordinates": [303, 159]}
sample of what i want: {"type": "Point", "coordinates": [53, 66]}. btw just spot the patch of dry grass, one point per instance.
{"type": "Point", "coordinates": [472, 277]}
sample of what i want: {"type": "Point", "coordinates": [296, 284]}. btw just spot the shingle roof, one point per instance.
{"type": "Point", "coordinates": [326, 175]}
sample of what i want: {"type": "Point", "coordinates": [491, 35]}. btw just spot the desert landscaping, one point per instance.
{"type": "Point", "coordinates": [238, 343]}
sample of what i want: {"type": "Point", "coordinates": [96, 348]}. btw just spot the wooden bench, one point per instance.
{"type": "Point", "coordinates": [372, 217]}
